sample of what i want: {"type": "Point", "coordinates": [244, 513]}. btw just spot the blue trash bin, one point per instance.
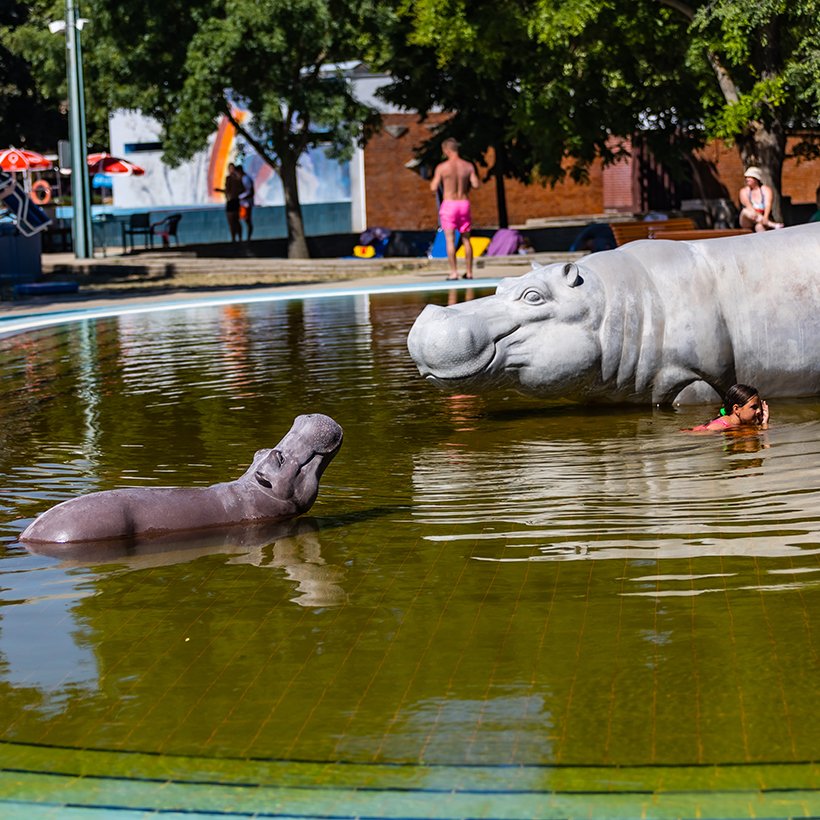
{"type": "Point", "coordinates": [20, 256]}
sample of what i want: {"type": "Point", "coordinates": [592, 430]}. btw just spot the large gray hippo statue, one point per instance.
{"type": "Point", "coordinates": [653, 321]}
{"type": "Point", "coordinates": [281, 483]}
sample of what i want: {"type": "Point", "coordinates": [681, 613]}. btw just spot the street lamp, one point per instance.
{"type": "Point", "coordinates": [80, 187]}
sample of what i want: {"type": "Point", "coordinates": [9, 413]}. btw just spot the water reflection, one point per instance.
{"type": "Point", "coordinates": [486, 580]}
{"type": "Point", "coordinates": [318, 584]}
{"type": "Point", "coordinates": [46, 643]}
{"type": "Point", "coordinates": [293, 546]}
{"type": "Point", "coordinates": [42, 648]}
{"type": "Point", "coordinates": [739, 444]}
{"type": "Point", "coordinates": [455, 297]}
{"type": "Point", "coordinates": [638, 494]}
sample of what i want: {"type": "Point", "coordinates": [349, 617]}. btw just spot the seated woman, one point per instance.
{"type": "Point", "coordinates": [756, 203]}
{"type": "Point", "coordinates": [743, 408]}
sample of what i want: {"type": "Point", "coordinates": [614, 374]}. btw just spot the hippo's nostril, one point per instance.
{"type": "Point", "coordinates": [263, 481]}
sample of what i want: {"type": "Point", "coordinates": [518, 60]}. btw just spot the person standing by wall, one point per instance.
{"type": "Point", "coordinates": [246, 201]}
{"type": "Point", "coordinates": [232, 190]}
{"type": "Point", "coordinates": [456, 177]}
{"type": "Point", "coordinates": [756, 203]}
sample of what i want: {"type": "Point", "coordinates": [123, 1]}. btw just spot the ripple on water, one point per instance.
{"type": "Point", "coordinates": [664, 498]}
{"type": "Point", "coordinates": [485, 580]}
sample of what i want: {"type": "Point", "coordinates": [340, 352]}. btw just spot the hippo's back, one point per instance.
{"type": "Point", "coordinates": [121, 514]}
{"type": "Point", "coordinates": [766, 287]}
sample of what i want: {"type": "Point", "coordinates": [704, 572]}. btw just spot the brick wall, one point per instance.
{"type": "Point", "coordinates": [800, 179]}
{"type": "Point", "coordinates": [399, 198]}
{"type": "Point", "coordinates": [619, 187]}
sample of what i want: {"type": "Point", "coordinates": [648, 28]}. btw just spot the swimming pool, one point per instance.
{"type": "Point", "coordinates": [495, 608]}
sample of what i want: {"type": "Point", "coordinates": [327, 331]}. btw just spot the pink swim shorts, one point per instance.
{"type": "Point", "coordinates": [454, 215]}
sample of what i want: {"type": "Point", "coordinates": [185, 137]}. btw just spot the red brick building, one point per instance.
{"type": "Point", "coordinates": [397, 197]}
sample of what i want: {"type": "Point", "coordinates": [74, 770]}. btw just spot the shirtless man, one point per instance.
{"type": "Point", "coordinates": [457, 177]}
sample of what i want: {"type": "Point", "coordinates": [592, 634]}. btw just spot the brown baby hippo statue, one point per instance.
{"type": "Point", "coordinates": [281, 483]}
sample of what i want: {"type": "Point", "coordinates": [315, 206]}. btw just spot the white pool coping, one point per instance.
{"type": "Point", "coordinates": [11, 324]}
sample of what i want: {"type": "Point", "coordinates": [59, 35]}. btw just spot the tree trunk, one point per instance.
{"type": "Point", "coordinates": [286, 168]}
{"type": "Point", "coordinates": [761, 145]}
{"type": "Point", "coordinates": [697, 179]}
{"type": "Point", "coordinates": [765, 146]}
{"type": "Point", "coordinates": [297, 242]}
{"type": "Point", "coordinates": [764, 143]}
{"type": "Point", "coordinates": [500, 190]}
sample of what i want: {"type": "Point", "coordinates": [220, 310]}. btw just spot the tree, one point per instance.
{"type": "Point", "coordinates": [191, 63]}
{"type": "Point", "coordinates": [541, 87]}
{"type": "Point", "coordinates": [36, 102]}
{"type": "Point", "coordinates": [555, 80]}
{"type": "Point", "coordinates": [434, 66]}
{"type": "Point", "coordinates": [187, 62]}
{"type": "Point", "coordinates": [766, 61]}
{"type": "Point", "coordinates": [26, 117]}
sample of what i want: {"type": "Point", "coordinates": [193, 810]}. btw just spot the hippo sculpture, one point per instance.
{"type": "Point", "coordinates": [656, 321]}
{"type": "Point", "coordinates": [281, 483]}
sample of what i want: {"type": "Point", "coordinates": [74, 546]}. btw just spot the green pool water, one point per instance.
{"type": "Point", "coordinates": [495, 608]}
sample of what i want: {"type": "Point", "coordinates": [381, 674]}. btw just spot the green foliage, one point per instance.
{"type": "Point", "coordinates": [268, 56]}
{"type": "Point", "coordinates": [771, 50]}
{"type": "Point", "coordinates": [27, 116]}
{"type": "Point", "coordinates": [553, 80]}
{"type": "Point", "coordinates": [548, 82]}
{"type": "Point", "coordinates": [181, 60]}
{"type": "Point", "coordinates": [545, 83]}
{"type": "Point", "coordinates": [26, 37]}
{"type": "Point", "coordinates": [762, 101]}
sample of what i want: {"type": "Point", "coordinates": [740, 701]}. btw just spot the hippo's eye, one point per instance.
{"type": "Point", "coordinates": [533, 297]}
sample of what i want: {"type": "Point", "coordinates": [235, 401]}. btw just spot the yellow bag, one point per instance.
{"type": "Point", "coordinates": [479, 245]}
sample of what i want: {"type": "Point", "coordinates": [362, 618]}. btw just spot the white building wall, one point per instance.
{"type": "Point", "coordinates": [320, 179]}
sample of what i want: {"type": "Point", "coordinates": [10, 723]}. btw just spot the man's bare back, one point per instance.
{"type": "Point", "coordinates": [456, 176]}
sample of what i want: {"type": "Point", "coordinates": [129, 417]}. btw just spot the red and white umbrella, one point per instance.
{"type": "Point", "coordinates": [103, 163]}
{"type": "Point", "coordinates": [19, 160]}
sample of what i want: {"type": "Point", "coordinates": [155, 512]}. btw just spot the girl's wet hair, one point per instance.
{"type": "Point", "coordinates": [738, 394]}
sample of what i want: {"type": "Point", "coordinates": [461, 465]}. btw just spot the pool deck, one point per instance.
{"type": "Point", "coordinates": [123, 282]}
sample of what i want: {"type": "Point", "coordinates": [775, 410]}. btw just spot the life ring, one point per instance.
{"type": "Point", "coordinates": [41, 192]}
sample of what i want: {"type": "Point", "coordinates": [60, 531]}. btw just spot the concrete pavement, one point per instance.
{"type": "Point", "coordinates": [119, 284]}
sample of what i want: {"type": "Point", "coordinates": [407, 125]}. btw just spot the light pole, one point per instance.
{"type": "Point", "coordinates": [80, 187]}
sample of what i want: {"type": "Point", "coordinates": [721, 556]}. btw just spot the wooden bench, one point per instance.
{"type": "Point", "coordinates": [631, 231]}
{"type": "Point", "coordinates": [704, 233]}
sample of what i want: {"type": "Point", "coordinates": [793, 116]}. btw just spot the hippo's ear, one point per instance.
{"type": "Point", "coordinates": [572, 275]}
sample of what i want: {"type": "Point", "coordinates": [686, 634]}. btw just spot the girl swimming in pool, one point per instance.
{"type": "Point", "coordinates": [743, 407]}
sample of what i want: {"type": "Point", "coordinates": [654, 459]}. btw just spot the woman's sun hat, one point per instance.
{"type": "Point", "coordinates": [754, 173]}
